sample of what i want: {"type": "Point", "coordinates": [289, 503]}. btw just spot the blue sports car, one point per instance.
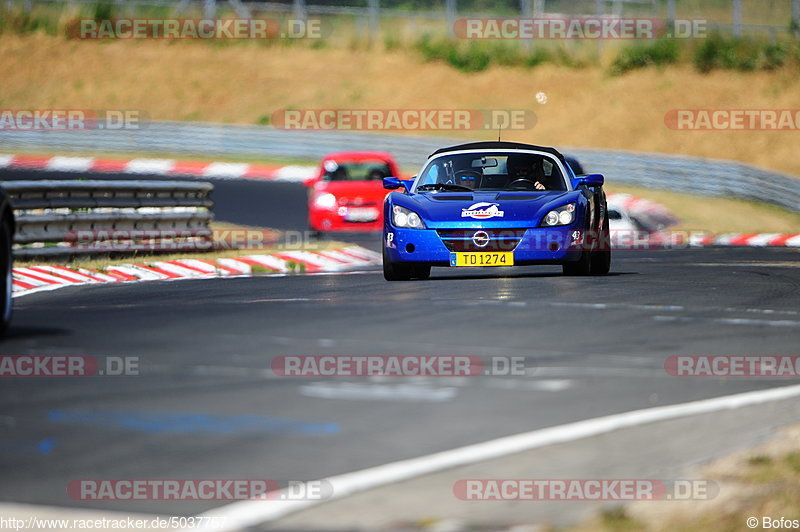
{"type": "Point", "coordinates": [495, 204]}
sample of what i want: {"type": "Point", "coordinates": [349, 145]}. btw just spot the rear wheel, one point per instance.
{"type": "Point", "coordinates": [601, 258]}
{"type": "Point", "coordinates": [6, 275]}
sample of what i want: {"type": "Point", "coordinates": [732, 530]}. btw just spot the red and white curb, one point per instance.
{"type": "Point", "coordinates": [29, 279]}
{"type": "Point", "coordinates": [789, 240]}
{"type": "Point", "coordinates": [164, 167]}
{"type": "Point", "coordinates": [624, 239]}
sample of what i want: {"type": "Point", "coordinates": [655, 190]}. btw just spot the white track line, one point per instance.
{"type": "Point", "coordinates": [243, 514]}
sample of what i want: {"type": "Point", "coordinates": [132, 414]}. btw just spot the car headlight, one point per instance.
{"type": "Point", "coordinates": [562, 216]}
{"type": "Point", "coordinates": [406, 218]}
{"type": "Point", "coordinates": [325, 201]}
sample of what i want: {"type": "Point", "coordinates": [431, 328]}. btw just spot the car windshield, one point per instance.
{"type": "Point", "coordinates": [356, 171]}
{"type": "Point", "coordinates": [492, 171]}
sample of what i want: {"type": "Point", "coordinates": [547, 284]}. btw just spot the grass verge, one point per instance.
{"type": "Point", "coordinates": [761, 481]}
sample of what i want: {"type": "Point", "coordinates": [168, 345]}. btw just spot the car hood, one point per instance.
{"type": "Point", "coordinates": [484, 209]}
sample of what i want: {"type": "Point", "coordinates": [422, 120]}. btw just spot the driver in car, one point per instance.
{"type": "Point", "coordinates": [521, 168]}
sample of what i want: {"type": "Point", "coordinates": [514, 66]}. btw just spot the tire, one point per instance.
{"type": "Point", "coordinates": [579, 267]}
{"type": "Point", "coordinates": [6, 271]}
{"type": "Point", "coordinates": [601, 258]}
{"type": "Point", "coordinates": [421, 272]}
{"type": "Point", "coordinates": [393, 271]}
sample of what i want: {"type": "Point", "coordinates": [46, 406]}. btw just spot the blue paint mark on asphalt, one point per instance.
{"type": "Point", "coordinates": [187, 423]}
{"type": "Point", "coordinates": [43, 447]}
{"type": "Point", "coordinates": [46, 446]}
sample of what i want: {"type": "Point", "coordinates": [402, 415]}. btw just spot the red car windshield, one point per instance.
{"type": "Point", "coordinates": [356, 171]}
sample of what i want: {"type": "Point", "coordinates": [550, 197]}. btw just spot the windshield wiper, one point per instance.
{"type": "Point", "coordinates": [443, 186]}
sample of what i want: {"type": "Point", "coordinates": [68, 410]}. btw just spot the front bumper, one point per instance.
{"type": "Point", "coordinates": [552, 245]}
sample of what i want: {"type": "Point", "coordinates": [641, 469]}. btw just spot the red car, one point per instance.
{"type": "Point", "coordinates": [347, 192]}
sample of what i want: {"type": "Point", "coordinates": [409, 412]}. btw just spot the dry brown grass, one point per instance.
{"type": "Point", "coordinates": [243, 83]}
{"type": "Point", "coordinates": [760, 481]}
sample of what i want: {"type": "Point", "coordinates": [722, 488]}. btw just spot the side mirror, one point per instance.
{"type": "Point", "coordinates": [392, 183]}
{"type": "Point", "coordinates": [591, 180]}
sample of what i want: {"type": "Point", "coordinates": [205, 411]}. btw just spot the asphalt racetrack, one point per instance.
{"type": "Point", "coordinates": [206, 405]}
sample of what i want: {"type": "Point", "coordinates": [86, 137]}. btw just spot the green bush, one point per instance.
{"type": "Point", "coordinates": [391, 43]}
{"type": "Point", "coordinates": [739, 53]}
{"type": "Point", "coordinates": [774, 56]}
{"type": "Point", "coordinates": [505, 54]}
{"type": "Point", "coordinates": [537, 57]}
{"type": "Point", "coordinates": [660, 52]}
{"type": "Point", "coordinates": [17, 21]}
{"type": "Point", "coordinates": [472, 58]}
{"type": "Point", "coordinates": [476, 56]}
{"type": "Point", "coordinates": [103, 10]}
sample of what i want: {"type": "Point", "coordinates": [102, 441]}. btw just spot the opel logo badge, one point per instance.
{"type": "Point", "coordinates": [481, 239]}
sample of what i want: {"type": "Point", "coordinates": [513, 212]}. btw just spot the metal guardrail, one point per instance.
{"type": "Point", "coordinates": [83, 217]}
{"type": "Point", "coordinates": [692, 175]}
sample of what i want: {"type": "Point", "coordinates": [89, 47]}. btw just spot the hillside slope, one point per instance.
{"type": "Point", "coordinates": [247, 83]}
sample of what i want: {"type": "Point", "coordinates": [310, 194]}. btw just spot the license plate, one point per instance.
{"type": "Point", "coordinates": [495, 258]}
{"type": "Point", "coordinates": [361, 215]}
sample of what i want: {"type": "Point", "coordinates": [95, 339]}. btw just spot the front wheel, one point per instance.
{"type": "Point", "coordinates": [580, 267]}
{"type": "Point", "coordinates": [421, 272]}
{"type": "Point", "coordinates": [392, 271]}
